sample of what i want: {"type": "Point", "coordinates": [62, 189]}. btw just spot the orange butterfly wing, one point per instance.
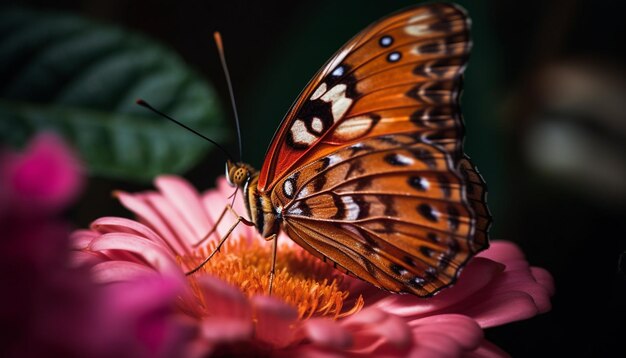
{"type": "Point", "coordinates": [367, 170]}
{"type": "Point", "coordinates": [390, 210]}
{"type": "Point", "coordinates": [400, 74]}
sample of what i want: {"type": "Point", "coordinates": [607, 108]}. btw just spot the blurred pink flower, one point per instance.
{"type": "Point", "coordinates": [49, 309]}
{"type": "Point", "coordinates": [46, 177]}
{"type": "Point", "coordinates": [314, 310]}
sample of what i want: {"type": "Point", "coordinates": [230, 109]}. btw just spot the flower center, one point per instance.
{"type": "Point", "coordinates": [301, 280]}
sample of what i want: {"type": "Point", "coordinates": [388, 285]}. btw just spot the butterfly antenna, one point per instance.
{"type": "Point", "coordinates": [145, 104]}
{"type": "Point", "coordinates": [220, 49]}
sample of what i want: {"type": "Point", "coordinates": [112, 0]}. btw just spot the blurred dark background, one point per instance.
{"type": "Point", "coordinates": [545, 109]}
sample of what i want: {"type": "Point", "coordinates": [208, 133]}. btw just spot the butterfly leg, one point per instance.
{"type": "Point", "coordinates": [219, 219]}
{"type": "Point", "coordinates": [240, 219]}
{"type": "Point", "coordinates": [273, 269]}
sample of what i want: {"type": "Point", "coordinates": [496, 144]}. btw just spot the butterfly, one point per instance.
{"type": "Point", "coordinates": [367, 170]}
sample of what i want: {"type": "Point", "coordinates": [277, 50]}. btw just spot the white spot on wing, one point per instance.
{"type": "Point", "coordinates": [394, 56]}
{"type": "Point", "coordinates": [295, 210]}
{"type": "Point", "coordinates": [425, 138]}
{"type": "Point", "coordinates": [436, 213]}
{"type": "Point", "coordinates": [333, 159]}
{"type": "Point", "coordinates": [338, 71]}
{"type": "Point", "coordinates": [424, 183]}
{"type": "Point", "coordinates": [404, 159]}
{"type": "Point", "coordinates": [303, 192]}
{"type": "Point", "coordinates": [319, 91]}
{"type": "Point", "coordinates": [340, 107]}
{"type": "Point", "coordinates": [288, 187]}
{"type": "Point", "coordinates": [418, 30]}
{"type": "Point", "coordinates": [352, 208]}
{"type": "Point", "coordinates": [317, 125]}
{"type": "Point", "coordinates": [335, 93]}
{"type": "Point", "coordinates": [337, 97]}
{"type": "Point", "coordinates": [353, 128]}
{"type": "Point", "coordinates": [300, 134]}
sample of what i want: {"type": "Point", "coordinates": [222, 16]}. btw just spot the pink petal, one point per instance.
{"type": "Point", "coordinates": [214, 203]}
{"type": "Point", "coordinates": [225, 191]}
{"type": "Point", "coordinates": [524, 281]}
{"type": "Point", "coordinates": [223, 300]}
{"type": "Point", "coordinates": [153, 253]}
{"type": "Point", "coordinates": [80, 239]}
{"type": "Point", "coordinates": [513, 295]}
{"type": "Point", "coordinates": [111, 224]}
{"type": "Point", "coordinates": [373, 329]}
{"type": "Point", "coordinates": [474, 277]}
{"type": "Point", "coordinates": [186, 200]}
{"type": "Point", "coordinates": [394, 330]}
{"type": "Point", "coordinates": [503, 251]}
{"type": "Point", "coordinates": [327, 332]}
{"type": "Point", "coordinates": [544, 278]}
{"type": "Point", "coordinates": [145, 310]}
{"type": "Point", "coordinates": [274, 321]}
{"type": "Point", "coordinates": [485, 292]}
{"type": "Point", "coordinates": [173, 219]}
{"type": "Point", "coordinates": [366, 317]}
{"type": "Point", "coordinates": [229, 313]}
{"type": "Point", "coordinates": [435, 345]}
{"type": "Point", "coordinates": [462, 330]}
{"type": "Point", "coordinates": [222, 330]}
{"type": "Point", "coordinates": [46, 177]}
{"type": "Point", "coordinates": [85, 258]}
{"type": "Point", "coordinates": [119, 271]}
{"type": "Point", "coordinates": [502, 308]}
{"type": "Point", "coordinates": [136, 297]}
{"type": "Point", "coordinates": [152, 217]}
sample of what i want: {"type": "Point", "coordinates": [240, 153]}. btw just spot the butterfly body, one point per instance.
{"type": "Point", "coordinates": [262, 213]}
{"type": "Point", "coordinates": [367, 170]}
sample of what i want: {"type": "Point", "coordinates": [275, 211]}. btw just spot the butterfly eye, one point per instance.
{"type": "Point", "coordinates": [236, 174]}
{"type": "Point", "coordinates": [240, 176]}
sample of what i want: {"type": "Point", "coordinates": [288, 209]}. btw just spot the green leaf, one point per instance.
{"type": "Point", "coordinates": [80, 79]}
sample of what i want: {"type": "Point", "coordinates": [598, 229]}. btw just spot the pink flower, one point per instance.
{"type": "Point", "coordinates": [46, 177]}
{"type": "Point", "coordinates": [314, 310]}
{"type": "Point", "coordinates": [48, 309]}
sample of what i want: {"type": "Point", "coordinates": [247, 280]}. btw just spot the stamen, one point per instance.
{"type": "Point", "coordinates": [301, 280]}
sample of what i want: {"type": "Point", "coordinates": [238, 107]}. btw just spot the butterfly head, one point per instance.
{"type": "Point", "coordinates": [237, 174]}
